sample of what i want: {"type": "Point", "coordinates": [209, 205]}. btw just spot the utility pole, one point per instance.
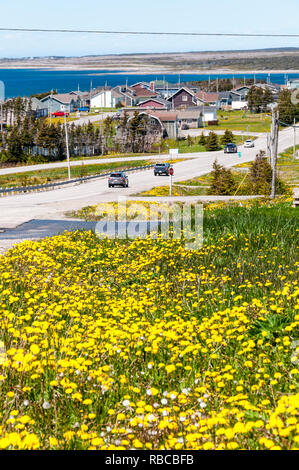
{"type": "Point", "coordinates": [274, 142]}
{"type": "Point", "coordinates": [90, 95]}
{"type": "Point", "coordinates": [269, 153]}
{"type": "Point", "coordinates": [2, 100]}
{"type": "Point", "coordinates": [1, 116]}
{"type": "Point", "coordinates": [67, 147]}
{"type": "Point", "coordinates": [294, 138]}
{"type": "Point", "coordinates": [51, 108]}
{"type": "Point", "coordinates": [170, 189]}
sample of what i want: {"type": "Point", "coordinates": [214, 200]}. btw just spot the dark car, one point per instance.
{"type": "Point", "coordinates": [161, 169]}
{"type": "Point", "coordinates": [118, 179]}
{"type": "Point", "coordinates": [230, 148]}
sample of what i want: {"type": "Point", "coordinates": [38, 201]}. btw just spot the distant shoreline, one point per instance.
{"type": "Point", "coordinates": [146, 71]}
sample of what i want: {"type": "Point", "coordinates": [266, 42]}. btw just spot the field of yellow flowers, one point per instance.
{"type": "Point", "coordinates": [117, 344]}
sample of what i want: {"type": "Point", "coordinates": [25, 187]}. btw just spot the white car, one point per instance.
{"type": "Point", "coordinates": [249, 143]}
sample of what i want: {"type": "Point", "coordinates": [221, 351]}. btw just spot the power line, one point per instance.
{"type": "Point", "coordinates": [152, 33]}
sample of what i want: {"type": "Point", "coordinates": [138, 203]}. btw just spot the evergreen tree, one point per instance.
{"type": "Point", "coordinates": [202, 139]}
{"type": "Point", "coordinates": [259, 180]}
{"type": "Point", "coordinates": [212, 142]}
{"type": "Point", "coordinates": [222, 180]}
{"type": "Point", "coordinates": [288, 111]}
{"type": "Point", "coordinates": [255, 99]}
{"type": "Point", "coordinates": [189, 140]}
{"type": "Point", "coordinates": [227, 137]}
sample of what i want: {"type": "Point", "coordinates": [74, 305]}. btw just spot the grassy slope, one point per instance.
{"type": "Point", "coordinates": [109, 328]}
{"type": "Point", "coordinates": [238, 120]}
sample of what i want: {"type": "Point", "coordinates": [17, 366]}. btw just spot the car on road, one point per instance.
{"type": "Point", "coordinates": [230, 148]}
{"type": "Point", "coordinates": [162, 169]}
{"type": "Point", "coordinates": [118, 179]}
{"type": "Point", "coordinates": [249, 143]}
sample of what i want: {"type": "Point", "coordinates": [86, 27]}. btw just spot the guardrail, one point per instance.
{"type": "Point", "coordinates": [50, 186]}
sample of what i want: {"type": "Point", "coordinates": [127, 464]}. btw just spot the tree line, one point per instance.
{"type": "Point", "coordinates": [32, 140]}
{"type": "Point", "coordinates": [257, 181]}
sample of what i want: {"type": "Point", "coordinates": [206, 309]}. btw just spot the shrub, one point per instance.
{"type": "Point", "coordinates": [223, 182]}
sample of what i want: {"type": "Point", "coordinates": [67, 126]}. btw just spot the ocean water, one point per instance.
{"type": "Point", "coordinates": [20, 82]}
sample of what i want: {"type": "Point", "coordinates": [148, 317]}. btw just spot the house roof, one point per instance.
{"type": "Point", "coordinates": [141, 91]}
{"type": "Point", "coordinates": [182, 88]}
{"type": "Point", "coordinates": [189, 114]}
{"type": "Point", "coordinates": [227, 94]}
{"type": "Point", "coordinates": [207, 97]}
{"type": "Point", "coordinates": [64, 98]}
{"type": "Point", "coordinates": [164, 115]}
{"type": "Point", "coordinates": [140, 84]}
{"type": "Point", "coordinates": [117, 94]}
{"type": "Point", "coordinates": [241, 88]}
{"type": "Point", "coordinates": [99, 91]}
{"type": "Point", "coordinates": [157, 100]}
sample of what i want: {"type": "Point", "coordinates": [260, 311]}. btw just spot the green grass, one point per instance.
{"type": "Point", "coordinates": [287, 167]}
{"type": "Point", "coordinates": [238, 120]}
{"type": "Point", "coordinates": [185, 147]}
{"type": "Point", "coordinates": [31, 178]}
{"type": "Point", "coordinates": [95, 111]}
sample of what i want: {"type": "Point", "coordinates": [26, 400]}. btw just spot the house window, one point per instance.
{"type": "Point", "coordinates": [184, 98]}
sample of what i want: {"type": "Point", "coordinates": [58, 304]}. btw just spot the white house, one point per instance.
{"type": "Point", "coordinates": [102, 99]}
{"type": "Point", "coordinates": [293, 83]}
{"type": "Point", "coordinates": [209, 114]}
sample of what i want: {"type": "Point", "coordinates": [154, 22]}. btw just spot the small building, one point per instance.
{"type": "Point", "coordinates": [145, 85]}
{"type": "Point", "coordinates": [183, 98]}
{"type": "Point", "coordinates": [227, 97]}
{"type": "Point", "coordinates": [65, 102]}
{"type": "Point", "coordinates": [190, 118]}
{"type": "Point", "coordinates": [102, 98]}
{"type": "Point", "coordinates": [167, 120]}
{"type": "Point", "coordinates": [142, 93]}
{"type": "Point", "coordinates": [274, 89]}
{"type": "Point", "coordinates": [242, 91]}
{"type": "Point", "coordinates": [84, 97]}
{"type": "Point", "coordinates": [293, 83]}
{"type": "Point", "coordinates": [38, 108]}
{"type": "Point", "coordinates": [209, 115]}
{"type": "Point", "coordinates": [166, 89]}
{"type": "Point", "coordinates": [205, 98]}
{"type": "Point", "coordinates": [154, 103]}
{"type": "Point", "coordinates": [125, 95]}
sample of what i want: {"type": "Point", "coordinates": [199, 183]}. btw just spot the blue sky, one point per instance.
{"type": "Point", "coordinates": [255, 16]}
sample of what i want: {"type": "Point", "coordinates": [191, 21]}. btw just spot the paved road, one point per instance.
{"type": "Point", "coordinates": [42, 228]}
{"type": "Point", "coordinates": [87, 119]}
{"type": "Point", "coordinates": [93, 161]}
{"type": "Point", "coordinates": [96, 161]}
{"type": "Point", "coordinates": [15, 210]}
{"type": "Point", "coordinates": [198, 132]}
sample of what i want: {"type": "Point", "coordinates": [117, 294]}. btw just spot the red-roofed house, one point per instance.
{"type": "Point", "coordinates": [155, 103]}
{"type": "Point", "coordinates": [141, 93]}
